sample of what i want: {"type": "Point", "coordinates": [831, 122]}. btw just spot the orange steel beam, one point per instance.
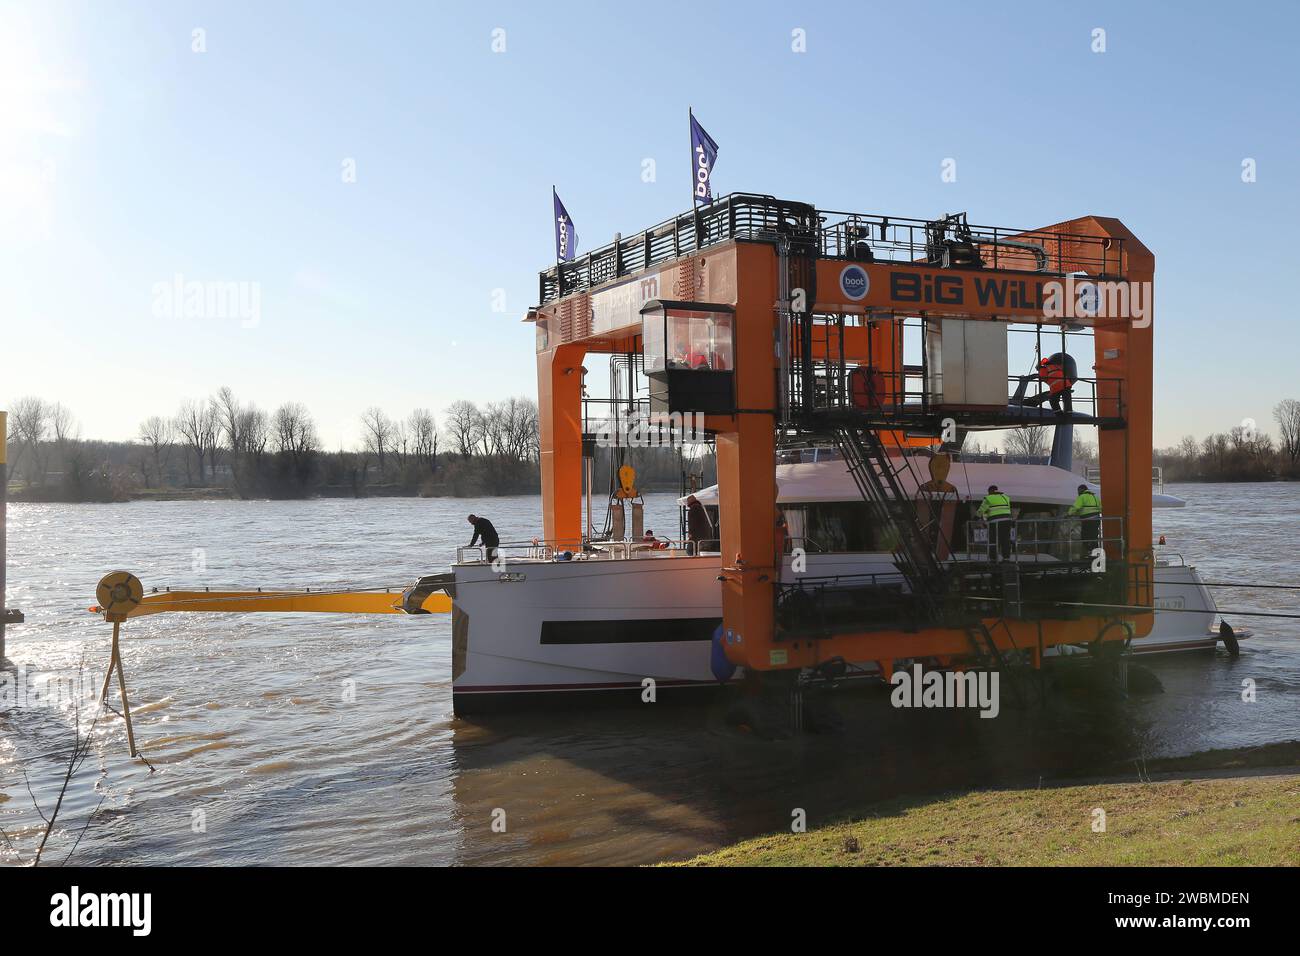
{"type": "Point", "coordinates": [559, 406]}
{"type": "Point", "coordinates": [747, 455]}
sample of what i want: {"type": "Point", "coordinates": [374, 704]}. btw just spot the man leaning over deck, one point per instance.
{"type": "Point", "coordinates": [483, 529]}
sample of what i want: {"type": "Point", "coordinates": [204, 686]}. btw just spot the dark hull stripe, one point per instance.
{"type": "Point", "coordinates": [630, 631]}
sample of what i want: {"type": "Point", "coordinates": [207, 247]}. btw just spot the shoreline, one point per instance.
{"type": "Point", "coordinates": [384, 491]}
{"type": "Point", "coordinates": [1230, 807]}
{"type": "Point", "coordinates": [221, 494]}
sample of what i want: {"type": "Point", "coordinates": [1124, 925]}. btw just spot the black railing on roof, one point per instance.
{"type": "Point", "coordinates": [832, 235]}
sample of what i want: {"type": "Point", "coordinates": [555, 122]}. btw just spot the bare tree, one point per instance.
{"type": "Point", "coordinates": [465, 424]}
{"type": "Point", "coordinates": [1214, 451]}
{"type": "Point", "coordinates": [400, 442]}
{"type": "Point", "coordinates": [294, 431]}
{"type": "Point", "coordinates": [254, 431]}
{"type": "Point", "coordinates": [424, 438]}
{"type": "Point", "coordinates": [210, 437]}
{"type": "Point", "coordinates": [158, 434]}
{"type": "Point", "coordinates": [63, 423]}
{"type": "Point", "coordinates": [1032, 442]}
{"type": "Point", "coordinates": [229, 417]}
{"type": "Point", "coordinates": [1082, 451]}
{"type": "Point", "coordinates": [196, 423]}
{"type": "Point", "coordinates": [30, 420]}
{"type": "Point", "coordinates": [67, 440]}
{"type": "Point", "coordinates": [377, 434]}
{"type": "Point", "coordinates": [293, 436]}
{"type": "Point", "coordinates": [494, 427]}
{"type": "Point", "coordinates": [525, 430]}
{"type": "Point", "coordinates": [1287, 415]}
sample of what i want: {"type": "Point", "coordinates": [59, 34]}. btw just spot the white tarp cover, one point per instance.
{"type": "Point", "coordinates": [830, 481]}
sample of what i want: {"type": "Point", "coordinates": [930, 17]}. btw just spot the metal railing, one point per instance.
{"type": "Point", "coordinates": [1046, 539]}
{"type": "Point", "coordinates": [906, 397]}
{"type": "Point", "coordinates": [1093, 475]}
{"type": "Point", "coordinates": [538, 551]}
{"type": "Point", "coordinates": [836, 235]}
{"type": "Point", "coordinates": [900, 239]}
{"type": "Point", "coordinates": [734, 216]}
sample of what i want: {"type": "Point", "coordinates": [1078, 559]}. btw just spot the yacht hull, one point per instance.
{"type": "Point", "coordinates": [639, 629]}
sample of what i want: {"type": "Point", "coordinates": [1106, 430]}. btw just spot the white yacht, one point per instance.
{"type": "Point", "coordinates": [609, 617]}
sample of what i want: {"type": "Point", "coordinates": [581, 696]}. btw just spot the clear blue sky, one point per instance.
{"type": "Point", "coordinates": [127, 159]}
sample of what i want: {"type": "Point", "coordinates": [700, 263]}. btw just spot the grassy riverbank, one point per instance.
{"type": "Point", "coordinates": [1249, 817]}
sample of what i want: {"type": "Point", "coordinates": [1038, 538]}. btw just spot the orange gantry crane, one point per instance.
{"type": "Point", "coordinates": [773, 323]}
{"type": "Point", "coordinates": [776, 320]}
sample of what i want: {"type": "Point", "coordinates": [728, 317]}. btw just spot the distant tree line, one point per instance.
{"type": "Point", "coordinates": [222, 445]}
{"type": "Point", "coordinates": [1243, 453]}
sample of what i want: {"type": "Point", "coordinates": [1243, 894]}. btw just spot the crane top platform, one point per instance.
{"type": "Point", "coordinates": [852, 237]}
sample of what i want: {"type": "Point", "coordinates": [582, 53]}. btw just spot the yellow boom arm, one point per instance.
{"type": "Point", "coordinates": [121, 596]}
{"type": "Point", "coordinates": [327, 602]}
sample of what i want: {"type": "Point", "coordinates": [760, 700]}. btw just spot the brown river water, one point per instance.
{"type": "Point", "coordinates": [259, 756]}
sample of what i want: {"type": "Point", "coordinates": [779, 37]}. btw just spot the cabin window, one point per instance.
{"type": "Point", "coordinates": [699, 341]}
{"type": "Point", "coordinates": [688, 351]}
{"type": "Point", "coordinates": [842, 526]}
{"type": "Point", "coordinates": [691, 339]}
{"type": "Point", "coordinates": [652, 344]}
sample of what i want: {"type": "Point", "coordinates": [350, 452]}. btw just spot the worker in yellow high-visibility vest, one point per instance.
{"type": "Point", "coordinates": [996, 510]}
{"type": "Point", "coordinates": [1088, 508]}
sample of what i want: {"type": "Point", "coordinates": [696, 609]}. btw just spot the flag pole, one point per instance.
{"type": "Point", "coordinates": [696, 220]}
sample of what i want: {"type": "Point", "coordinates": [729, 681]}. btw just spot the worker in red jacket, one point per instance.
{"type": "Point", "coordinates": [1058, 373]}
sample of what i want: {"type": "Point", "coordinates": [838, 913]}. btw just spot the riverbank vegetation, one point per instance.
{"type": "Point", "coordinates": [222, 447]}
{"type": "Point", "coordinates": [1234, 821]}
{"type": "Point", "coordinates": [1245, 453]}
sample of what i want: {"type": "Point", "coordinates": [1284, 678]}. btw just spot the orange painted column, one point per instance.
{"type": "Point", "coordinates": [747, 468]}
{"type": "Point", "coordinates": [1125, 350]}
{"type": "Point", "coordinates": [559, 408]}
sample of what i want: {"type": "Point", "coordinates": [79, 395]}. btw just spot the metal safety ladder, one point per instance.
{"type": "Point", "coordinates": [878, 481]}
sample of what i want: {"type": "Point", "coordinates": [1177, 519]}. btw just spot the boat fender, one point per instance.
{"type": "Point", "coordinates": [1229, 638]}
{"type": "Point", "coordinates": [718, 663]}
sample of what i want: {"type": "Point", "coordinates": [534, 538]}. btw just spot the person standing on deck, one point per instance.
{"type": "Point", "coordinates": [483, 529]}
{"type": "Point", "coordinates": [1088, 508]}
{"type": "Point", "coordinates": [996, 510]}
{"type": "Point", "coordinates": [698, 526]}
